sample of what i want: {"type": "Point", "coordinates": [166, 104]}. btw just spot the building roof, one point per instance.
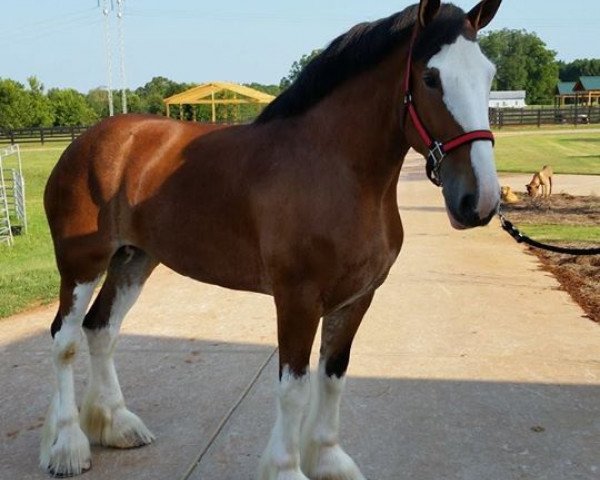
{"type": "Point", "coordinates": [202, 94]}
{"type": "Point", "coordinates": [587, 83]}
{"type": "Point", "coordinates": [507, 95]}
{"type": "Point", "coordinates": [565, 88]}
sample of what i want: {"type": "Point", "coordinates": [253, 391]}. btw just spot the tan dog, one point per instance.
{"type": "Point", "coordinates": [541, 179]}
{"type": "Point", "coordinates": [508, 196]}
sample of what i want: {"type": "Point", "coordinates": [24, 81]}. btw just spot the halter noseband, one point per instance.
{"type": "Point", "coordinates": [437, 150]}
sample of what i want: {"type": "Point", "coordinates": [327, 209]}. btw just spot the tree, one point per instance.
{"type": "Point", "coordinates": [153, 103]}
{"type": "Point", "coordinates": [14, 104]}
{"type": "Point", "coordinates": [71, 108]}
{"type": "Point", "coordinates": [152, 94]}
{"type": "Point", "coordinates": [250, 111]}
{"type": "Point", "coordinates": [134, 103]}
{"type": "Point", "coordinates": [97, 99]}
{"type": "Point", "coordinates": [523, 62]}
{"type": "Point", "coordinates": [270, 89]}
{"type": "Point", "coordinates": [40, 108]}
{"type": "Point", "coordinates": [570, 72]}
{"type": "Point", "coordinates": [296, 68]}
{"type": "Point", "coordinates": [161, 86]}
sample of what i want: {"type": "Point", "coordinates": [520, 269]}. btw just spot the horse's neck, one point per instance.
{"type": "Point", "coordinates": [363, 119]}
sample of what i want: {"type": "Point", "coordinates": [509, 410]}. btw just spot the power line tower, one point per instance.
{"type": "Point", "coordinates": [107, 8]}
{"type": "Point", "coordinates": [105, 13]}
{"type": "Point", "coordinates": [120, 4]}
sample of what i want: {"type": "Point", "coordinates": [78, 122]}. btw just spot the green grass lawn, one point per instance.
{"type": "Point", "coordinates": [28, 273]}
{"type": "Point", "coordinates": [562, 233]}
{"type": "Point", "coordinates": [575, 153]}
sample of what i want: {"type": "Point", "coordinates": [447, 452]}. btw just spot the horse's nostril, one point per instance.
{"type": "Point", "coordinates": [468, 204]}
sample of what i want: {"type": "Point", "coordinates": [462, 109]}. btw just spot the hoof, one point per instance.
{"type": "Point", "coordinates": [67, 455]}
{"type": "Point", "coordinates": [290, 474]}
{"type": "Point", "coordinates": [332, 463]}
{"type": "Point", "coordinates": [270, 470]}
{"type": "Point", "coordinates": [54, 474]}
{"type": "Point", "coordinates": [118, 428]}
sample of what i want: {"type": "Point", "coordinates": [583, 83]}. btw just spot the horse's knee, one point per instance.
{"type": "Point", "coordinates": [65, 345]}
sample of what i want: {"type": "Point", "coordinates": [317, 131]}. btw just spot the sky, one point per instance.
{"type": "Point", "coordinates": [62, 41]}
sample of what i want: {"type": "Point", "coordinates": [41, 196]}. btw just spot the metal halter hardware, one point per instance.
{"type": "Point", "coordinates": [437, 149]}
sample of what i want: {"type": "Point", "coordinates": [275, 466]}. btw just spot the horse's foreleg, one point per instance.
{"type": "Point", "coordinates": [65, 450]}
{"type": "Point", "coordinates": [322, 456]}
{"type": "Point", "coordinates": [104, 417]}
{"type": "Point", "coordinates": [297, 323]}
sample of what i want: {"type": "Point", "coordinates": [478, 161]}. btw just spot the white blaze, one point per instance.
{"type": "Point", "coordinates": [466, 76]}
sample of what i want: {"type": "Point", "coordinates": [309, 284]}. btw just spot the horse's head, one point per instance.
{"type": "Point", "coordinates": [448, 85]}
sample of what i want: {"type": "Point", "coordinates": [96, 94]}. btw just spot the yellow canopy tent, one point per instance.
{"type": "Point", "coordinates": [205, 95]}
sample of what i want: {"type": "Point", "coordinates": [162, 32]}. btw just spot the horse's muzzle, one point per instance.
{"type": "Point", "coordinates": [465, 214]}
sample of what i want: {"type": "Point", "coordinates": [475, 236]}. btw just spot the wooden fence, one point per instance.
{"type": "Point", "coordinates": [40, 135]}
{"type": "Point", "coordinates": [574, 115]}
{"type": "Point", "coordinates": [499, 117]}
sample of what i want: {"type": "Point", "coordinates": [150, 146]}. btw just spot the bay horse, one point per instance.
{"type": "Point", "coordinates": [300, 204]}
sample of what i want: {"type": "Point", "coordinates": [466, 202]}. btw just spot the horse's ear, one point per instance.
{"type": "Point", "coordinates": [483, 13]}
{"type": "Point", "coordinates": [428, 9]}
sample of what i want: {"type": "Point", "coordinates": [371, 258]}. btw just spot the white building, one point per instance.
{"type": "Point", "coordinates": [507, 99]}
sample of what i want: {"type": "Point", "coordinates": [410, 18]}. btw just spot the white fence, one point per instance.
{"type": "Point", "coordinates": [13, 211]}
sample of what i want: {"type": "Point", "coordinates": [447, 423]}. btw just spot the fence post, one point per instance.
{"type": "Point", "coordinates": [501, 119]}
{"type": "Point", "coordinates": [42, 135]}
{"type": "Point", "coordinates": [72, 133]}
{"type": "Point", "coordinates": [539, 119]}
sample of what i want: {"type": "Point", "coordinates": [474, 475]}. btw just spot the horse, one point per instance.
{"type": "Point", "coordinates": [299, 204]}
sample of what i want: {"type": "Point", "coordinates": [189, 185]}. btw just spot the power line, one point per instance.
{"type": "Point", "coordinates": [27, 32]}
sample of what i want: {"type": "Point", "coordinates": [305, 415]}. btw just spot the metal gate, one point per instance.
{"type": "Point", "coordinates": [13, 211]}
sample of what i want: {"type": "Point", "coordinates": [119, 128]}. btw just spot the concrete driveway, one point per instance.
{"type": "Point", "coordinates": [471, 364]}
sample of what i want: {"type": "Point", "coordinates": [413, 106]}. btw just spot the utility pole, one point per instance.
{"type": "Point", "coordinates": [105, 12]}
{"type": "Point", "coordinates": [122, 54]}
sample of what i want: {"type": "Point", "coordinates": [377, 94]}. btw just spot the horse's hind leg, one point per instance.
{"type": "Point", "coordinates": [104, 417]}
{"type": "Point", "coordinates": [65, 450]}
{"type": "Point", "coordinates": [322, 456]}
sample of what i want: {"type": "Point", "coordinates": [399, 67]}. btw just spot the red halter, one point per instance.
{"type": "Point", "coordinates": [437, 150]}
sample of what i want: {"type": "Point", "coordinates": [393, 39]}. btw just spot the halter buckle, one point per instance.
{"type": "Point", "coordinates": [434, 162]}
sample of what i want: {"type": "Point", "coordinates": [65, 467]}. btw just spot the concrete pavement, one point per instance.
{"type": "Point", "coordinates": [471, 364]}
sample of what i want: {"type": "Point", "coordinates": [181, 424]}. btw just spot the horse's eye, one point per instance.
{"type": "Point", "coordinates": [431, 78]}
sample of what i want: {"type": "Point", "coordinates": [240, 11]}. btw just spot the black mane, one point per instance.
{"type": "Point", "coordinates": [360, 49]}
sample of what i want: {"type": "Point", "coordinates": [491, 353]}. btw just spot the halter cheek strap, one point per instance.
{"type": "Point", "coordinates": [437, 150]}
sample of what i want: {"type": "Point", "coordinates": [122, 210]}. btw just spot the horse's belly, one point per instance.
{"type": "Point", "coordinates": [237, 275]}
{"type": "Point", "coordinates": [225, 260]}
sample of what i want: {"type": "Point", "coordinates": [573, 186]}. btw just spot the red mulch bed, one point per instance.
{"type": "Point", "coordinates": [579, 275]}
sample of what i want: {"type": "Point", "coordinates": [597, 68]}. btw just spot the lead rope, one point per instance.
{"type": "Point", "coordinates": [520, 238]}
